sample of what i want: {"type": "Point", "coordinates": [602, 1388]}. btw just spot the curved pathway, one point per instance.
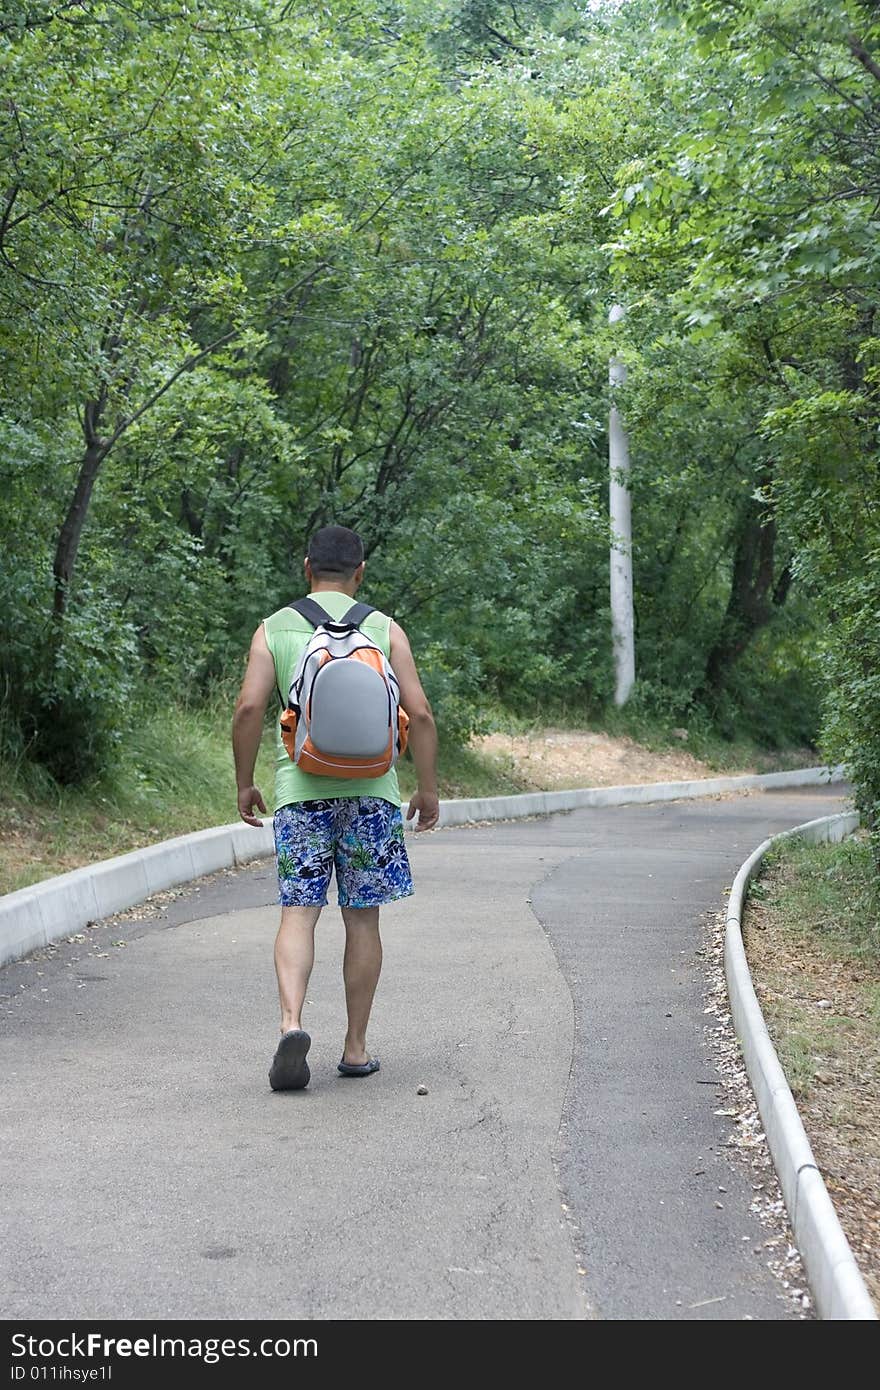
{"type": "Point", "coordinates": [150, 1172]}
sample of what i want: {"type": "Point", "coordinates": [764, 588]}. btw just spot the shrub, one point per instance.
{"type": "Point", "coordinates": [851, 705]}
{"type": "Point", "coordinates": [67, 692]}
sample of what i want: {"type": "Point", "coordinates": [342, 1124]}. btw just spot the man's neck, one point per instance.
{"type": "Point", "coordinates": [319, 587]}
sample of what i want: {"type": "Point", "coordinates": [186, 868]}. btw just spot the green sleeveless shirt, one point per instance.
{"type": "Point", "coordinates": [287, 636]}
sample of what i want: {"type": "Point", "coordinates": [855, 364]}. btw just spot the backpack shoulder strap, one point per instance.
{"type": "Point", "coordinates": [357, 614]}
{"type": "Point", "coordinates": [311, 611]}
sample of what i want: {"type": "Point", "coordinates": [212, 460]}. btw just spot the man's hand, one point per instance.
{"type": "Point", "coordinates": [428, 806]}
{"type": "Point", "coordinates": [248, 798]}
{"type": "Point", "coordinates": [247, 725]}
{"type": "Point", "coordinates": [422, 731]}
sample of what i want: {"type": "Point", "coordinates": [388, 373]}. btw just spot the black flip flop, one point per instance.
{"type": "Point", "coordinates": [358, 1069]}
{"type": "Point", "coordinates": [290, 1070]}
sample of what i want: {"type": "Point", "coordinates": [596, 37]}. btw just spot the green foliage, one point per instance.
{"type": "Point", "coordinates": [267, 267]}
{"type": "Point", "coordinates": [851, 656]}
{"type": "Point", "coordinates": [67, 695]}
{"type": "Point", "coordinates": [751, 233]}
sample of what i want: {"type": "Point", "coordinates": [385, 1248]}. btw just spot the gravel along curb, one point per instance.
{"type": "Point", "coordinates": [838, 1288]}
{"type": "Point", "coordinates": [34, 917]}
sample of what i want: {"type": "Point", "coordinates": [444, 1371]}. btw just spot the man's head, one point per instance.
{"type": "Point", "coordinates": [336, 556]}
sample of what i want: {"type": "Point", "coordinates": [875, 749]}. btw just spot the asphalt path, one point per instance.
{"type": "Point", "coordinates": [543, 984]}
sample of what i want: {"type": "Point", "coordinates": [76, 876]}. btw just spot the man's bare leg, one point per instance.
{"type": "Point", "coordinates": [294, 958]}
{"type": "Point", "coordinates": [361, 967]}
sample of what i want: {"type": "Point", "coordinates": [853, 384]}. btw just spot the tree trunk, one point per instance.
{"type": "Point", "coordinates": [71, 531]}
{"type": "Point", "coordinates": [753, 595]}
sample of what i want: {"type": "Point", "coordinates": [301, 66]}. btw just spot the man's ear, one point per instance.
{"type": "Point", "coordinates": [307, 569]}
{"type": "Point", "coordinates": [359, 573]}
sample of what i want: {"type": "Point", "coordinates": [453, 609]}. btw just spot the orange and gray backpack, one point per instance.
{"type": "Point", "coordinates": [343, 715]}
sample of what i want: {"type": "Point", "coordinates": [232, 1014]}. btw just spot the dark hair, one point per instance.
{"type": "Point", "coordinates": [334, 550]}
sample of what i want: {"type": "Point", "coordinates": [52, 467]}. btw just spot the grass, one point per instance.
{"type": "Point", "coordinates": [174, 773]}
{"type": "Point", "coordinates": [813, 938]}
{"type": "Point", "coordinates": [812, 935]}
{"type": "Point", "coordinates": [828, 896]}
{"type": "Point", "coordinates": [465, 772]}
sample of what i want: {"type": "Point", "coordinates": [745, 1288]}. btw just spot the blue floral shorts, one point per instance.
{"type": "Point", "coordinates": [361, 835]}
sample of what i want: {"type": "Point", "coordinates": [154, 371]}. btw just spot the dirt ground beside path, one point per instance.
{"type": "Point", "coordinates": [558, 758]}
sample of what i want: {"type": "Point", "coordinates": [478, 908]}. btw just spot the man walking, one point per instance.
{"type": "Point", "coordinates": [321, 822]}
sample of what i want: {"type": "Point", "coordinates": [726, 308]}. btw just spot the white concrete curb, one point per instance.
{"type": "Point", "coordinates": [57, 907]}
{"type": "Point", "coordinates": [837, 1285]}
{"type": "Point", "coordinates": [488, 808]}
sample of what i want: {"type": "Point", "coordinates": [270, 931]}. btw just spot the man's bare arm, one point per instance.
{"type": "Point", "coordinates": [247, 724]}
{"type": "Point", "coordinates": [422, 731]}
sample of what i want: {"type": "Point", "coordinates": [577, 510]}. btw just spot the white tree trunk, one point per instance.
{"type": "Point", "coordinates": [620, 507]}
